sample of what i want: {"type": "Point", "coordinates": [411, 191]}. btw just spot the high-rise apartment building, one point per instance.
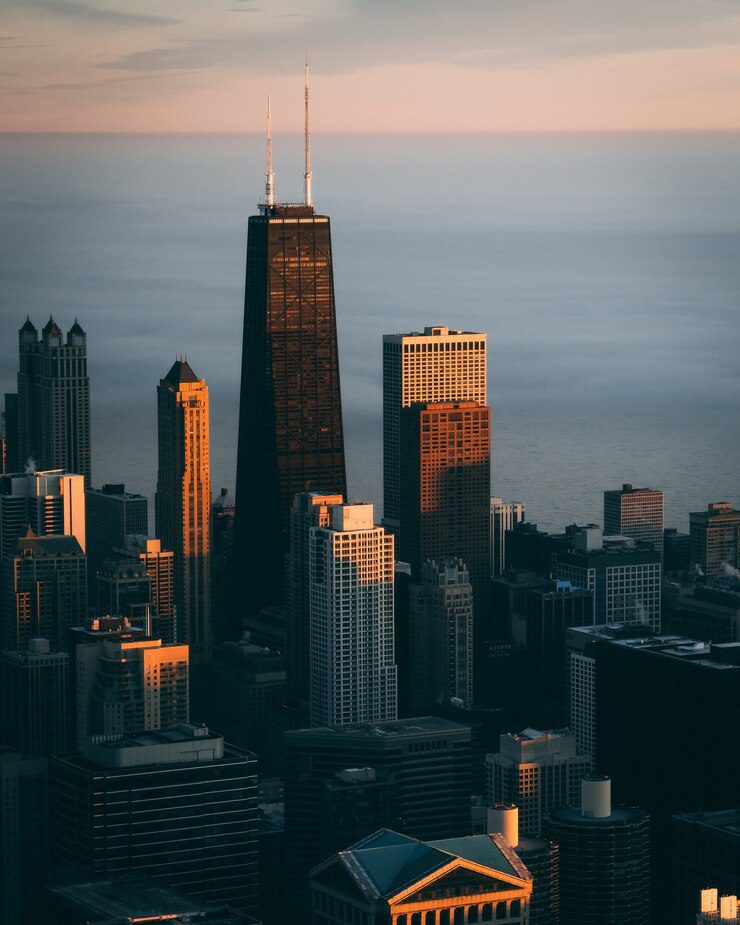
{"type": "Point", "coordinates": [13, 462]}
{"type": "Point", "coordinates": [353, 672]}
{"type": "Point", "coordinates": [160, 567]}
{"type": "Point", "coordinates": [637, 513]}
{"type": "Point", "coordinates": [126, 686]}
{"type": "Point", "coordinates": [310, 509]}
{"type": "Point", "coordinates": [441, 637]}
{"type": "Point", "coordinates": [195, 793]}
{"type": "Point", "coordinates": [624, 576]}
{"type": "Point", "coordinates": [51, 503]}
{"type": "Point", "coordinates": [536, 771]}
{"type": "Point", "coordinates": [53, 410]}
{"type": "Point", "coordinates": [290, 425]}
{"type": "Point", "coordinates": [436, 365]}
{"type": "Point", "coordinates": [36, 699]}
{"type": "Point", "coordinates": [713, 908]}
{"type": "Point", "coordinates": [111, 513]}
{"type": "Point", "coordinates": [183, 501]}
{"type": "Point", "coordinates": [124, 589]}
{"type": "Point", "coordinates": [604, 858]}
{"type": "Point", "coordinates": [504, 516]}
{"type": "Point", "coordinates": [715, 539]}
{"type": "Point", "coordinates": [445, 487]}
{"type": "Point", "coordinates": [44, 590]}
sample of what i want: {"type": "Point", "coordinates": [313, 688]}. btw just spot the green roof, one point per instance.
{"type": "Point", "coordinates": [479, 849]}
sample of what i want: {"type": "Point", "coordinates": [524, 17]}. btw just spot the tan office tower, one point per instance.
{"type": "Point", "coordinates": [715, 540]}
{"type": "Point", "coordinates": [127, 686]}
{"type": "Point", "coordinates": [183, 501]}
{"type": "Point", "coordinates": [436, 365]}
{"type": "Point", "coordinates": [352, 669]}
{"type": "Point", "coordinates": [635, 512]}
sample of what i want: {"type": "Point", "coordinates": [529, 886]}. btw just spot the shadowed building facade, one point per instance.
{"type": "Point", "coordinates": [290, 424]}
{"type": "Point", "coordinates": [183, 501]}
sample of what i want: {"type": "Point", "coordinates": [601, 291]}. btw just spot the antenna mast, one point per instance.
{"type": "Point", "coordinates": [307, 175]}
{"type": "Point", "coordinates": [269, 176]}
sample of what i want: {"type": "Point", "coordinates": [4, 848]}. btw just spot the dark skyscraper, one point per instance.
{"type": "Point", "coordinates": [290, 424]}
{"type": "Point", "coordinates": [53, 411]}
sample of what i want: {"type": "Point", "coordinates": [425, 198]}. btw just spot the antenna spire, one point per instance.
{"type": "Point", "coordinates": [269, 176]}
{"type": "Point", "coordinates": [307, 175]}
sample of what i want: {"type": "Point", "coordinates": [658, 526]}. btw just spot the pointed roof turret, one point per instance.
{"type": "Point", "coordinates": [28, 326]}
{"type": "Point", "coordinates": [77, 329]}
{"type": "Point", "coordinates": [181, 371]}
{"type": "Point", "coordinates": [51, 327]}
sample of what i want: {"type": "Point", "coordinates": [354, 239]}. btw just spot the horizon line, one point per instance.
{"type": "Point", "coordinates": [734, 130]}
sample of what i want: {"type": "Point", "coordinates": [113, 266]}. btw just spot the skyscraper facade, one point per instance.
{"type": "Point", "coordinates": [352, 669]}
{"type": "Point", "coordinates": [183, 501]}
{"type": "Point", "coordinates": [635, 512]}
{"type": "Point", "coordinates": [445, 487]}
{"type": "Point", "coordinates": [290, 425]}
{"type": "Point", "coordinates": [504, 515]}
{"type": "Point", "coordinates": [111, 513]}
{"type": "Point", "coordinates": [441, 636]}
{"type": "Point", "coordinates": [51, 503]}
{"type": "Point", "coordinates": [44, 590]}
{"type": "Point", "coordinates": [54, 399]}
{"type": "Point", "coordinates": [310, 509]}
{"type": "Point", "coordinates": [436, 365]}
{"type": "Point", "coordinates": [226, 621]}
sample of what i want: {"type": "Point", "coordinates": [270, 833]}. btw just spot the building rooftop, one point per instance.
{"type": "Point", "coordinates": [48, 545]}
{"type": "Point", "coordinates": [390, 729]}
{"type": "Point", "coordinates": [181, 371]}
{"type": "Point", "coordinates": [386, 862]}
{"type": "Point", "coordinates": [620, 815]}
{"type": "Point", "coordinates": [727, 820]}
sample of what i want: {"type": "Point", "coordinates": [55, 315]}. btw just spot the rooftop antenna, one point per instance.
{"type": "Point", "coordinates": [307, 175]}
{"type": "Point", "coordinates": [269, 176]}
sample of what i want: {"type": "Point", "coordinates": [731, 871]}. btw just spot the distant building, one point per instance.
{"type": "Point", "coordinates": [715, 539]}
{"type": "Point", "coordinates": [441, 636]}
{"type": "Point", "coordinates": [126, 686]}
{"type": "Point", "coordinates": [226, 622]}
{"type": "Point", "coordinates": [309, 509]}
{"type": "Point", "coordinates": [24, 840]}
{"type": "Point", "coordinates": [183, 501]}
{"type": "Point", "coordinates": [545, 613]}
{"type": "Point", "coordinates": [52, 503]}
{"type": "Point", "coordinates": [534, 550]}
{"type": "Point", "coordinates": [44, 590]}
{"type": "Point", "coordinates": [53, 415]}
{"type": "Point", "coordinates": [504, 516]}
{"type": "Point", "coordinates": [391, 878]}
{"type": "Point", "coordinates": [536, 771]}
{"type": "Point", "coordinates": [13, 462]}
{"type": "Point", "coordinates": [706, 849]}
{"type": "Point", "coordinates": [36, 699]}
{"type": "Point", "coordinates": [160, 566]}
{"type": "Point", "coordinates": [636, 513]}
{"type": "Point", "coordinates": [625, 579]}
{"type": "Point", "coordinates": [111, 513]}
{"type": "Point", "coordinates": [604, 859]}
{"type": "Point", "coordinates": [717, 909]}
{"type": "Point", "coordinates": [676, 550]}
{"type": "Point", "coordinates": [702, 611]}
{"type": "Point", "coordinates": [123, 588]}
{"type": "Point", "coordinates": [353, 675]}
{"type": "Point", "coordinates": [438, 364]}
{"type": "Point", "coordinates": [213, 813]}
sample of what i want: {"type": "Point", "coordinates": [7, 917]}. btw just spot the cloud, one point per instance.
{"type": "Point", "coordinates": [191, 56]}
{"type": "Point", "coordinates": [8, 73]}
{"type": "Point", "coordinates": [83, 12]}
{"type": "Point", "coordinates": [102, 82]}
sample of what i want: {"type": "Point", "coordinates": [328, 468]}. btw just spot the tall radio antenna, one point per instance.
{"type": "Point", "coordinates": [307, 175]}
{"type": "Point", "coordinates": [269, 176]}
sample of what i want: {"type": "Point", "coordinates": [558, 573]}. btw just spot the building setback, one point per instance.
{"type": "Point", "coordinates": [437, 364]}
{"type": "Point", "coordinates": [197, 794]}
{"type": "Point", "coordinates": [53, 410]}
{"type": "Point", "coordinates": [183, 501]}
{"type": "Point", "coordinates": [52, 503]}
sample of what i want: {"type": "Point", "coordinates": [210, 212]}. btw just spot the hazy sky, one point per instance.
{"type": "Point", "coordinates": [378, 65]}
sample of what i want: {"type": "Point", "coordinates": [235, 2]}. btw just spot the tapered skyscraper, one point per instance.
{"type": "Point", "coordinates": [290, 423]}
{"type": "Point", "coordinates": [183, 501]}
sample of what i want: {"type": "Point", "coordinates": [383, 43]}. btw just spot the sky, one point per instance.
{"type": "Point", "coordinates": [376, 65]}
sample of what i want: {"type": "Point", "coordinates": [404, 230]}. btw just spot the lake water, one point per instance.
{"type": "Point", "coordinates": [605, 270]}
